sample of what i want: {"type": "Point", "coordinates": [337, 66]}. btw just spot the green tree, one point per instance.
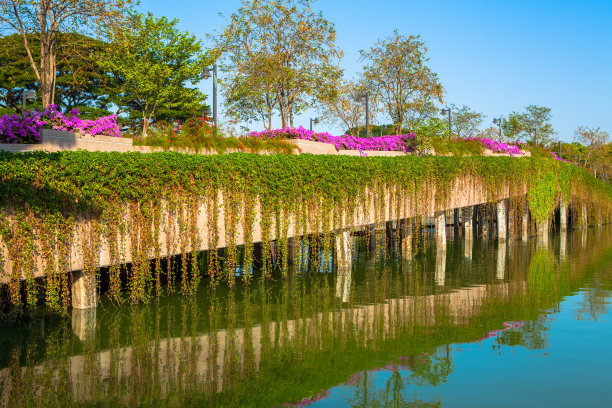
{"type": "Point", "coordinates": [594, 139]}
{"type": "Point", "coordinates": [80, 82]}
{"type": "Point", "coordinates": [342, 108]}
{"type": "Point", "coordinates": [536, 122]}
{"type": "Point", "coordinates": [153, 63]}
{"type": "Point", "coordinates": [277, 56]}
{"type": "Point", "coordinates": [513, 128]}
{"type": "Point", "coordinates": [395, 68]}
{"type": "Point", "coordinates": [44, 20]}
{"type": "Point", "coordinates": [465, 121]}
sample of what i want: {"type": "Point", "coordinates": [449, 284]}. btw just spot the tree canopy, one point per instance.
{"type": "Point", "coordinates": [277, 56]}
{"type": "Point", "coordinates": [395, 68]}
{"type": "Point", "coordinates": [153, 64]}
{"type": "Point", "coordinates": [45, 19]}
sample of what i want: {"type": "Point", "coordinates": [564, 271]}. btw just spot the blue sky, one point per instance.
{"type": "Point", "coordinates": [494, 56]}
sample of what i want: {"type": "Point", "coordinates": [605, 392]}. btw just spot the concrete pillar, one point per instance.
{"type": "Point", "coordinates": [441, 229]}
{"type": "Point", "coordinates": [372, 234]}
{"type": "Point", "coordinates": [344, 248]}
{"type": "Point", "coordinates": [406, 247]}
{"type": "Point", "coordinates": [562, 215]}
{"type": "Point", "coordinates": [455, 222]}
{"type": "Point", "coordinates": [502, 225]}
{"type": "Point", "coordinates": [501, 260]}
{"type": "Point", "coordinates": [468, 247]}
{"type": "Point", "coordinates": [525, 226]}
{"type": "Point", "coordinates": [483, 221]}
{"type": "Point", "coordinates": [343, 283]}
{"type": "Point", "coordinates": [440, 274]}
{"type": "Point", "coordinates": [344, 259]}
{"type": "Point", "coordinates": [584, 221]}
{"type": "Point", "coordinates": [467, 217]}
{"type": "Point", "coordinates": [83, 290]}
{"type": "Point", "coordinates": [84, 323]}
{"type": "Point", "coordinates": [543, 232]}
{"type": "Point", "coordinates": [563, 245]}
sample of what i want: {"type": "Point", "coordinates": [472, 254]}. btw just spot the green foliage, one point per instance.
{"type": "Point", "coordinates": [80, 82]}
{"type": "Point", "coordinates": [115, 196]}
{"type": "Point", "coordinates": [197, 135]}
{"type": "Point", "coordinates": [457, 147]}
{"type": "Point", "coordinates": [395, 68]}
{"type": "Point", "coordinates": [277, 57]}
{"type": "Point", "coordinates": [465, 121]}
{"type": "Point", "coordinates": [153, 63]}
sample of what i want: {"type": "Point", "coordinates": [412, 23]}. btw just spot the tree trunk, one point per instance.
{"type": "Point", "coordinates": [48, 69]}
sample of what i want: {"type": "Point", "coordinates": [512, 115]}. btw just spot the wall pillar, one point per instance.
{"type": "Point", "coordinates": [468, 247]}
{"type": "Point", "coordinates": [563, 245]}
{"type": "Point", "coordinates": [543, 227]}
{"type": "Point", "coordinates": [584, 220]}
{"type": "Point", "coordinates": [501, 260]}
{"type": "Point", "coordinates": [84, 323]}
{"type": "Point", "coordinates": [344, 259]}
{"type": "Point", "coordinates": [440, 274]}
{"type": "Point", "coordinates": [406, 246]}
{"type": "Point", "coordinates": [562, 214]}
{"type": "Point", "coordinates": [83, 290]}
{"type": "Point", "coordinates": [344, 248]}
{"type": "Point", "coordinates": [502, 225]}
{"type": "Point", "coordinates": [467, 217]}
{"type": "Point", "coordinates": [441, 229]}
{"type": "Point", "coordinates": [525, 226]}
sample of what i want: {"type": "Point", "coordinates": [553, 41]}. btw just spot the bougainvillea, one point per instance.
{"type": "Point", "coordinates": [392, 143]}
{"type": "Point", "coordinates": [26, 128]}
{"type": "Point", "coordinates": [499, 147]}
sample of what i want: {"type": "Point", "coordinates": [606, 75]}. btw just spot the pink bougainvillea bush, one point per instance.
{"type": "Point", "coordinates": [499, 147]}
{"type": "Point", "coordinates": [392, 143]}
{"type": "Point", "coordinates": [26, 128]}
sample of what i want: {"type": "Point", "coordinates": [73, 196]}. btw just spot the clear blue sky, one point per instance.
{"type": "Point", "coordinates": [495, 56]}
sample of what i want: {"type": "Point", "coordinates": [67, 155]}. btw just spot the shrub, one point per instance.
{"type": "Point", "coordinates": [26, 128]}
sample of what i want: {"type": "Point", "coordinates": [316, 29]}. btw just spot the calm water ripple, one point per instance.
{"type": "Point", "coordinates": [482, 323]}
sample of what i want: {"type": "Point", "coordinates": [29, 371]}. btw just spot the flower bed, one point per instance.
{"type": "Point", "coordinates": [26, 128]}
{"type": "Point", "coordinates": [499, 147]}
{"type": "Point", "coordinates": [395, 143]}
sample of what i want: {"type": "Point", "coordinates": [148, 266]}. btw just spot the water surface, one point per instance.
{"type": "Point", "coordinates": [482, 323]}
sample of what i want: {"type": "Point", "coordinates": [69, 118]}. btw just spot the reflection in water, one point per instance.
{"type": "Point", "coordinates": [378, 330]}
{"type": "Point", "coordinates": [501, 260]}
{"type": "Point", "coordinates": [440, 276]}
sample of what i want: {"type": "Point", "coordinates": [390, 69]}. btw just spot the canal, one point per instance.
{"type": "Point", "coordinates": [481, 323]}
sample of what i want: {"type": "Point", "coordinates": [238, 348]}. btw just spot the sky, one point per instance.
{"type": "Point", "coordinates": [495, 56]}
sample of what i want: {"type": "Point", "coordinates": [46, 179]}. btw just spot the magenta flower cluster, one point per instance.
{"type": "Point", "coordinates": [555, 157]}
{"type": "Point", "coordinates": [395, 143]}
{"type": "Point", "coordinates": [17, 129]}
{"type": "Point", "coordinates": [499, 147]}
{"type": "Point", "coordinates": [26, 128]}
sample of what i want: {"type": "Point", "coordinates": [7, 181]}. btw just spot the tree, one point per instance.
{"type": "Point", "coordinates": [395, 68]}
{"type": "Point", "coordinates": [343, 108]}
{"type": "Point", "coordinates": [513, 128]}
{"type": "Point", "coordinates": [280, 56]}
{"type": "Point", "coordinates": [531, 125]}
{"type": "Point", "coordinates": [465, 122]}
{"type": "Point", "coordinates": [592, 138]}
{"type": "Point", "coordinates": [44, 19]}
{"type": "Point", "coordinates": [536, 121]}
{"type": "Point", "coordinates": [80, 81]}
{"type": "Point", "coordinates": [153, 63]}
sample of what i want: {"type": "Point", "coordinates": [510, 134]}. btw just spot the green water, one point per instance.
{"type": "Point", "coordinates": [482, 323]}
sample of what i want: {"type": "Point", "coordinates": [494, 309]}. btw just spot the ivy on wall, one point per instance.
{"type": "Point", "coordinates": [115, 198]}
